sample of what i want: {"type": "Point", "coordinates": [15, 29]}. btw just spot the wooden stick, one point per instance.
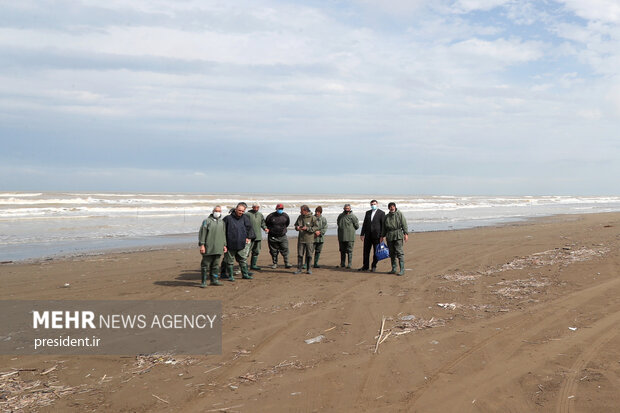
{"type": "Point", "coordinates": [215, 368]}
{"type": "Point", "coordinates": [49, 370]}
{"type": "Point", "coordinates": [380, 334]}
{"type": "Point", "coordinates": [225, 409]}
{"type": "Point", "coordinates": [386, 336]}
{"type": "Point", "coordinates": [160, 399]}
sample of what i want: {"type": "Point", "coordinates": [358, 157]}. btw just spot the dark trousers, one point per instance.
{"type": "Point", "coordinates": [370, 246]}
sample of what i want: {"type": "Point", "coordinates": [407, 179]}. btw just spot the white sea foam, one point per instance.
{"type": "Point", "coordinates": [33, 218]}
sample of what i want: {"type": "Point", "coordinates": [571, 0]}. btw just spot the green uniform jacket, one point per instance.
{"type": "Point", "coordinates": [347, 225]}
{"type": "Point", "coordinates": [212, 235]}
{"type": "Point", "coordinates": [258, 222]}
{"type": "Point", "coordinates": [322, 223]}
{"type": "Point", "coordinates": [394, 226]}
{"type": "Point", "coordinates": [309, 221]}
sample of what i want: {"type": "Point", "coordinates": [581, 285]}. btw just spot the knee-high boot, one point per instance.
{"type": "Point", "coordinates": [316, 259]}
{"type": "Point", "coordinates": [393, 260]}
{"type": "Point", "coordinates": [214, 280]}
{"type": "Point", "coordinates": [300, 261]}
{"type": "Point", "coordinates": [245, 274]}
{"type": "Point", "coordinates": [253, 266]}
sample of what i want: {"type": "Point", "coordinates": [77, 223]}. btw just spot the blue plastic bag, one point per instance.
{"type": "Point", "coordinates": [382, 251]}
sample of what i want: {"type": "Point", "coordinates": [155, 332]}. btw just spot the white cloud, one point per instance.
{"type": "Point", "coordinates": [503, 51]}
{"type": "Point", "coordinates": [439, 89]}
{"type": "Point", "coordinates": [603, 10]}
{"type": "Point", "coordinates": [466, 6]}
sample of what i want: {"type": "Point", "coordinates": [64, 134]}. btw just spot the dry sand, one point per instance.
{"type": "Point", "coordinates": [520, 318]}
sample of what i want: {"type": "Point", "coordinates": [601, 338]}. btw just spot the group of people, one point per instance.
{"type": "Point", "coordinates": [238, 237]}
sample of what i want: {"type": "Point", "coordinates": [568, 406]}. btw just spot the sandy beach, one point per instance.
{"type": "Point", "coordinates": [521, 317]}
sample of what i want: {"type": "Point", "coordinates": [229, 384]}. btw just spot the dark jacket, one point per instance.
{"type": "Point", "coordinates": [237, 230]}
{"type": "Point", "coordinates": [277, 224]}
{"type": "Point", "coordinates": [373, 229]}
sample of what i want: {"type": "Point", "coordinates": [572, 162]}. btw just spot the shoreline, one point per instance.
{"type": "Point", "coordinates": [48, 225]}
{"type": "Point", "coordinates": [164, 242]}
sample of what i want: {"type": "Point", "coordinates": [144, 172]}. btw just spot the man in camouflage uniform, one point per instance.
{"type": "Point", "coordinates": [318, 241]}
{"type": "Point", "coordinates": [212, 242]}
{"type": "Point", "coordinates": [307, 227]}
{"type": "Point", "coordinates": [258, 224]}
{"type": "Point", "coordinates": [395, 231]}
{"type": "Point", "coordinates": [347, 225]}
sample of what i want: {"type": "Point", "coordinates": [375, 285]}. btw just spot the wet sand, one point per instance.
{"type": "Point", "coordinates": [523, 317]}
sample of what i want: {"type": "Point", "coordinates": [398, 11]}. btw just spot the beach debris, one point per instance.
{"type": "Point", "coordinates": [146, 362]}
{"type": "Point", "coordinates": [225, 409]}
{"type": "Point", "coordinates": [560, 256]}
{"type": "Point", "coordinates": [297, 393]}
{"type": "Point", "coordinates": [66, 285]}
{"type": "Point", "coordinates": [248, 377]}
{"type": "Point", "coordinates": [418, 324]}
{"type": "Point", "coordinates": [572, 328]}
{"type": "Point", "coordinates": [277, 369]}
{"type": "Point", "coordinates": [521, 288]}
{"type": "Point", "coordinates": [210, 370]}
{"type": "Point", "coordinates": [240, 353]}
{"type": "Point", "coordinates": [405, 325]}
{"type": "Point", "coordinates": [450, 306]}
{"type": "Point", "coordinates": [49, 370]}
{"type": "Point", "coordinates": [160, 399]}
{"type": "Point", "coordinates": [17, 393]}
{"type": "Point", "coordinates": [380, 334]}
{"type": "Point", "coordinates": [316, 339]}
{"type": "Point", "coordinates": [329, 329]}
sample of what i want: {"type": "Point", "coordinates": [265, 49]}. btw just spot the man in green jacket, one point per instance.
{"type": "Point", "coordinates": [319, 239]}
{"type": "Point", "coordinates": [395, 231]}
{"type": "Point", "coordinates": [258, 223]}
{"type": "Point", "coordinates": [347, 225]}
{"type": "Point", "coordinates": [308, 228]}
{"type": "Point", "coordinates": [212, 242]}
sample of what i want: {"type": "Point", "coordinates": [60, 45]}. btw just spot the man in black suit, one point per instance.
{"type": "Point", "coordinates": [371, 233]}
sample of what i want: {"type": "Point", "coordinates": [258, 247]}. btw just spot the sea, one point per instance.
{"type": "Point", "coordinates": [45, 225]}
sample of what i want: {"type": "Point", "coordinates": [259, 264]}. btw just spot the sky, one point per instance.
{"type": "Point", "coordinates": [445, 97]}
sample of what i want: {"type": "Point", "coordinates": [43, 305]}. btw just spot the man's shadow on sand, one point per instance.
{"type": "Point", "coordinates": [192, 278]}
{"type": "Point", "coordinates": [187, 278]}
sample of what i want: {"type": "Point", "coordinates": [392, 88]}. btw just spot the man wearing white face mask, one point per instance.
{"type": "Point", "coordinates": [212, 242]}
